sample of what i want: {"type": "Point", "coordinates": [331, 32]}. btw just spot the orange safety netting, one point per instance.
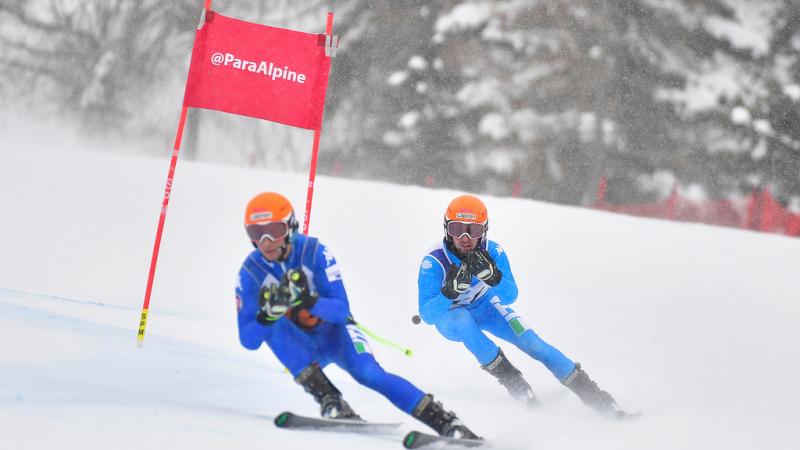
{"type": "Point", "coordinates": [758, 211]}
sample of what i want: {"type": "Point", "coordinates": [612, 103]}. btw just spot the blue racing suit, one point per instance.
{"type": "Point", "coordinates": [324, 334]}
{"type": "Point", "coordinates": [482, 308]}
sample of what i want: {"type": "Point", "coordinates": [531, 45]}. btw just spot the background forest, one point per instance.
{"type": "Point", "coordinates": [536, 98]}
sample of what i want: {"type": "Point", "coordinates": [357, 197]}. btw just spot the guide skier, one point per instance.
{"type": "Point", "coordinates": [290, 295]}
{"type": "Point", "coordinates": [465, 288]}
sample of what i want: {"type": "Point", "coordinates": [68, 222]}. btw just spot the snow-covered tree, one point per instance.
{"type": "Point", "coordinates": [92, 59]}
{"type": "Point", "coordinates": [550, 94]}
{"type": "Point", "coordinates": [765, 115]}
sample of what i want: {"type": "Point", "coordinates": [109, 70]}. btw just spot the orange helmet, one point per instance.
{"type": "Point", "coordinates": [267, 209]}
{"type": "Point", "coordinates": [466, 214]}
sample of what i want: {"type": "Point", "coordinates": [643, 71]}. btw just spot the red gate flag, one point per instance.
{"type": "Point", "coordinates": [258, 71]}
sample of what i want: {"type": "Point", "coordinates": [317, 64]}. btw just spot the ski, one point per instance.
{"type": "Point", "coordinates": [418, 439]}
{"type": "Point", "coordinates": [294, 421]}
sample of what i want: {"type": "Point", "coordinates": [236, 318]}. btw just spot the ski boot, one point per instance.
{"type": "Point", "coordinates": [330, 400]}
{"type": "Point", "coordinates": [591, 395]}
{"type": "Point", "coordinates": [511, 378]}
{"type": "Point", "coordinates": [432, 414]}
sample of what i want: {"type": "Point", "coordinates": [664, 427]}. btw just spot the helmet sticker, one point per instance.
{"type": "Point", "coordinates": [267, 207]}
{"type": "Point", "coordinates": [259, 216]}
{"type": "Point", "coordinates": [466, 208]}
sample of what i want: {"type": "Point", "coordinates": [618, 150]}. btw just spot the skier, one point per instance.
{"type": "Point", "coordinates": [465, 287]}
{"type": "Point", "coordinates": [290, 295]}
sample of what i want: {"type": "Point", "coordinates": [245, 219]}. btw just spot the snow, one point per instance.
{"type": "Point", "coordinates": [587, 125]}
{"type": "Point", "coordinates": [397, 78]}
{"type": "Point", "coordinates": [748, 30]}
{"type": "Point", "coordinates": [525, 121]}
{"type": "Point", "coordinates": [792, 91]}
{"type": "Point", "coordinates": [741, 115]}
{"type": "Point", "coordinates": [759, 150]}
{"type": "Point", "coordinates": [464, 16]}
{"type": "Point", "coordinates": [409, 119]}
{"type": "Point", "coordinates": [738, 35]}
{"type": "Point", "coordinates": [662, 182]}
{"type": "Point", "coordinates": [494, 125]}
{"type": "Point", "coordinates": [763, 126]}
{"type": "Point", "coordinates": [694, 325]}
{"type": "Point", "coordinates": [704, 89]}
{"type": "Point", "coordinates": [721, 79]}
{"type": "Point", "coordinates": [481, 93]}
{"type": "Point", "coordinates": [417, 62]}
{"type": "Point", "coordinates": [95, 89]}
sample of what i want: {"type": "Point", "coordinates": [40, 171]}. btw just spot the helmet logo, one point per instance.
{"type": "Point", "coordinates": [258, 216]}
{"type": "Point", "coordinates": [469, 216]}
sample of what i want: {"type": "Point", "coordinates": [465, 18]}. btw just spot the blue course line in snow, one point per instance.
{"type": "Point", "coordinates": [21, 294]}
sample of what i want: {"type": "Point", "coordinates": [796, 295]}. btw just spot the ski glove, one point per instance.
{"type": "Point", "coordinates": [483, 267]}
{"type": "Point", "coordinates": [296, 285]}
{"type": "Point", "coordinates": [456, 281]}
{"type": "Point", "coordinates": [273, 304]}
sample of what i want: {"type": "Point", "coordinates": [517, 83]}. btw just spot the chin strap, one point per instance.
{"type": "Point", "coordinates": [448, 242]}
{"type": "Point", "coordinates": [285, 249]}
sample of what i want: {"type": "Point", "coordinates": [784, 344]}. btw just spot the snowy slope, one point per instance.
{"type": "Point", "coordinates": [694, 325]}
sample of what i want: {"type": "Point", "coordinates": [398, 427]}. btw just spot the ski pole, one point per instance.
{"type": "Point", "coordinates": [406, 351]}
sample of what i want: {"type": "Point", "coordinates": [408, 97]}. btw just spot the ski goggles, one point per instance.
{"type": "Point", "coordinates": [471, 229]}
{"type": "Point", "coordinates": [271, 230]}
